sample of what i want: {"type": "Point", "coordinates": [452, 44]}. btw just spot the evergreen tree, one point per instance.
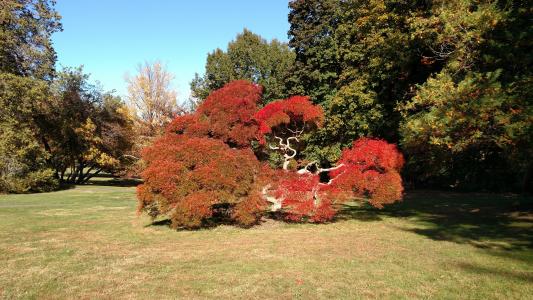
{"type": "Point", "coordinates": [451, 80]}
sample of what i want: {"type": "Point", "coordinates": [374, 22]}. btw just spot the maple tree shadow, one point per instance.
{"type": "Point", "coordinates": [507, 274]}
{"type": "Point", "coordinates": [491, 221]}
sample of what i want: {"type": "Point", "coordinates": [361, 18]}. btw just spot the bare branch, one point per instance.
{"type": "Point", "coordinates": [319, 170]}
{"type": "Point", "coordinates": [276, 203]}
{"type": "Point", "coordinates": [330, 169]}
{"type": "Point", "coordinates": [305, 169]}
{"type": "Point", "coordinates": [288, 147]}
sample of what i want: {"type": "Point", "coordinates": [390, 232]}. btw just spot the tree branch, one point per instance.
{"type": "Point", "coordinates": [276, 203]}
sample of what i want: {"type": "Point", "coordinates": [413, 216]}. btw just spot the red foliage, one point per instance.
{"type": "Point", "coordinates": [188, 124]}
{"type": "Point", "coordinates": [186, 176]}
{"type": "Point", "coordinates": [370, 170]}
{"type": "Point", "coordinates": [248, 211]}
{"type": "Point", "coordinates": [205, 162]}
{"type": "Point", "coordinates": [229, 112]}
{"type": "Point", "coordinates": [226, 114]}
{"type": "Point", "coordinates": [303, 198]}
{"type": "Point", "coordinates": [296, 112]}
{"type": "Point", "coordinates": [375, 154]}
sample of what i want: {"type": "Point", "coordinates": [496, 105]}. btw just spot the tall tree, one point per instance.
{"type": "Point", "coordinates": [470, 125]}
{"type": "Point", "coordinates": [248, 57]}
{"type": "Point", "coordinates": [311, 35]}
{"type": "Point", "coordinates": [151, 95]}
{"type": "Point", "coordinates": [384, 69]}
{"type": "Point", "coordinates": [25, 37]}
{"type": "Point", "coordinates": [91, 131]}
{"type": "Point", "coordinates": [24, 163]}
{"type": "Point", "coordinates": [27, 58]}
{"type": "Point", "coordinates": [356, 59]}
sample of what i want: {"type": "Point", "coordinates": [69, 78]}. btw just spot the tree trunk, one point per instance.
{"type": "Point", "coordinates": [527, 182]}
{"type": "Point", "coordinates": [89, 176]}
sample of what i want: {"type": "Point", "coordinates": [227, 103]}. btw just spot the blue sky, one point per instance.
{"type": "Point", "coordinates": [110, 37]}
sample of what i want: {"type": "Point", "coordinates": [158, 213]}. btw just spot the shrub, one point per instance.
{"type": "Point", "coordinates": [31, 182]}
{"type": "Point", "coordinates": [187, 176]}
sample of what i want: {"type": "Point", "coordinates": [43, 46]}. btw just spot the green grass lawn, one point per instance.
{"type": "Point", "coordinates": [87, 242]}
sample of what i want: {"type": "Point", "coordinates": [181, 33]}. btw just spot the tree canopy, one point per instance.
{"type": "Point", "coordinates": [248, 57]}
{"type": "Point", "coordinates": [210, 165]}
{"type": "Point", "coordinates": [452, 87]}
{"type": "Point", "coordinates": [25, 37]}
{"type": "Point", "coordinates": [27, 59]}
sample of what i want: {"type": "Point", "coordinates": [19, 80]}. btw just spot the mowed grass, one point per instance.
{"type": "Point", "coordinates": [87, 243]}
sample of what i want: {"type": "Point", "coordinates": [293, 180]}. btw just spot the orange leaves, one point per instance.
{"type": "Point", "coordinates": [193, 209]}
{"type": "Point", "coordinates": [188, 124]}
{"type": "Point", "coordinates": [227, 114]}
{"type": "Point", "coordinates": [248, 211]}
{"type": "Point", "coordinates": [188, 175]}
{"type": "Point", "coordinates": [192, 167]}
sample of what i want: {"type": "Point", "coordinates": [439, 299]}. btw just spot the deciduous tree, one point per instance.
{"type": "Point", "coordinates": [89, 131]}
{"type": "Point", "coordinates": [469, 125]}
{"type": "Point", "coordinates": [248, 57]}
{"type": "Point", "coordinates": [27, 59]}
{"type": "Point", "coordinates": [24, 162]}
{"type": "Point", "coordinates": [204, 166]}
{"type": "Point", "coordinates": [26, 27]}
{"type": "Point", "coordinates": [152, 97]}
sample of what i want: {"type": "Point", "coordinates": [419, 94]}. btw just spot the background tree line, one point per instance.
{"type": "Point", "coordinates": [58, 127]}
{"type": "Point", "coordinates": [450, 81]}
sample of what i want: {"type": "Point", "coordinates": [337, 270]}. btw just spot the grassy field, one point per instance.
{"type": "Point", "coordinates": [87, 243]}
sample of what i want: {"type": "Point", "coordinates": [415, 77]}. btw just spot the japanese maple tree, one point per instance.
{"type": "Point", "coordinates": [205, 164]}
{"type": "Point", "coordinates": [369, 171]}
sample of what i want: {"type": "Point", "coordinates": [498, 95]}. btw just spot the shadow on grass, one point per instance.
{"type": "Point", "coordinates": [518, 275]}
{"type": "Point", "coordinates": [221, 216]}
{"type": "Point", "coordinates": [165, 222]}
{"type": "Point", "coordinates": [498, 222]}
{"type": "Point", "coordinates": [114, 181]}
{"type": "Point", "coordinates": [487, 221]}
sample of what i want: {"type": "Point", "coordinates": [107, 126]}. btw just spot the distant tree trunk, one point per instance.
{"type": "Point", "coordinates": [527, 182]}
{"type": "Point", "coordinates": [89, 176]}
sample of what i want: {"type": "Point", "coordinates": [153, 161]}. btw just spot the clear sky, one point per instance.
{"type": "Point", "coordinates": [110, 37]}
